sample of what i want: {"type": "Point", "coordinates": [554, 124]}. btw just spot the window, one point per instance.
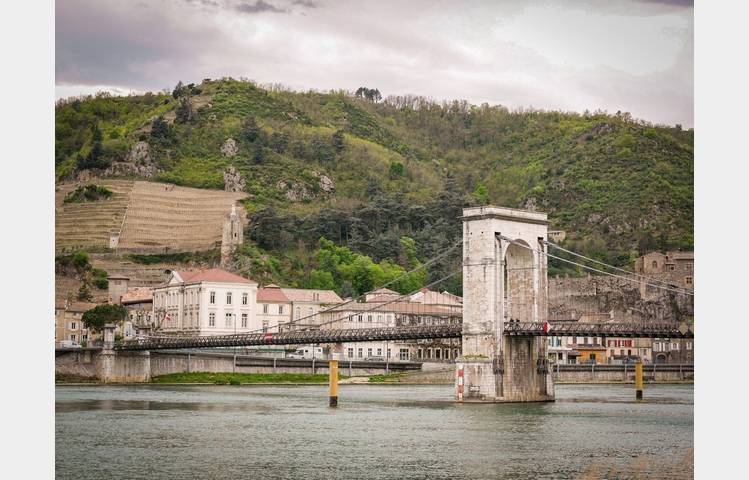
{"type": "Point", "coordinates": [404, 354]}
{"type": "Point", "coordinates": [316, 297]}
{"type": "Point", "coordinates": [213, 298]}
{"type": "Point", "coordinates": [229, 323]}
{"type": "Point", "coordinates": [244, 299]}
{"type": "Point", "coordinates": [309, 311]}
{"type": "Point", "coordinates": [244, 320]}
{"type": "Point", "coordinates": [437, 353]}
{"type": "Point", "coordinates": [419, 353]}
{"type": "Point", "coordinates": [379, 352]}
{"type": "Point", "coordinates": [84, 337]}
{"type": "Point", "coordinates": [369, 318]}
{"type": "Point", "coordinates": [211, 319]}
{"type": "Point", "coordinates": [280, 309]}
{"type": "Point", "coordinates": [689, 345]}
{"type": "Point", "coordinates": [360, 318]}
{"type": "Point", "coordinates": [265, 326]}
{"type": "Point", "coordinates": [72, 337]}
{"type": "Point", "coordinates": [379, 318]}
{"type": "Point", "coordinates": [655, 264]}
{"type": "Point", "coordinates": [350, 353]}
{"type": "Point", "coordinates": [629, 352]}
{"type": "Point", "coordinates": [672, 267]}
{"type": "Point", "coordinates": [388, 353]}
{"type": "Point", "coordinates": [369, 352]}
{"type": "Point", "coordinates": [73, 326]}
{"type": "Point", "coordinates": [265, 308]}
{"type": "Point", "coordinates": [688, 280]}
{"type": "Point", "coordinates": [228, 298]}
{"type": "Point", "coordinates": [298, 313]}
{"type": "Point", "coordinates": [359, 352]}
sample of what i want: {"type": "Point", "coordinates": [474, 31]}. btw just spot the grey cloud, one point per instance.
{"type": "Point", "coordinates": [305, 3]}
{"type": "Point", "coordinates": [258, 7]}
{"type": "Point", "coordinates": [450, 53]}
{"type": "Point", "coordinates": [673, 3]}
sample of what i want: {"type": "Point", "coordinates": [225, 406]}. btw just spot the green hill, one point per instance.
{"type": "Point", "coordinates": [402, 167]}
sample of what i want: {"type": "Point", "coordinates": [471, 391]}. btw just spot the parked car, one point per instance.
{"type": "Point", "coordinates": [70, 344]}
{"type": "Point", "coordinates": [306, 352]}
{"type": "Point", "coordinates": [374, 359]}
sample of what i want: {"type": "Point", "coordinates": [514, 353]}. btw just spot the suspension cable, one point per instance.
{"type": "Point", "coordinates": [595, 269]}
{"type": "Point", "coordinates": [397, 299]}
{"type": "Point", "coordinates": [604, 264]}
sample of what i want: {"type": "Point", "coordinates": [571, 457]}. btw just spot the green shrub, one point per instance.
{"type": "Point", "coordinates": [100, 283]}
{"type": "Point", "coordinates": [88, 193]}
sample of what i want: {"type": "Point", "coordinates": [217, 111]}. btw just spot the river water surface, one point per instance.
{"type": "Point", "coordinates": [388, 431]}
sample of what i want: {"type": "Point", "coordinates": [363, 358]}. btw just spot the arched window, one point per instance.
{"type": "Point", "coordinates": [655, 264]}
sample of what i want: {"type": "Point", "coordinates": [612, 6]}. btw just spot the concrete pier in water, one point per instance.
{"type": "Point", "coordinates": [503, 281]}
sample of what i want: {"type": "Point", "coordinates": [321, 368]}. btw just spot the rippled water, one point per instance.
{"type": "Point", "coordinates": [398, 431]}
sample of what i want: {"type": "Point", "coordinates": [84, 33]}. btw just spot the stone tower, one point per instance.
{"type": "Point", "coordinates": [117, 288]}
{"type": "Point", "coordinates": [232, 235]}
{"type": "Point", "coordinates": [503, 281]}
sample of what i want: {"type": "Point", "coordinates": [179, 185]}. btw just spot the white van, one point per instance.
{"type": "Point", "coordinates": [69, 344]}
{"type": "Point", "coordinates": [306, 352]}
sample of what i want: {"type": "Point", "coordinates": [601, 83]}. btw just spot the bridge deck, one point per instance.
{"type": "Point", "coordinates": [403, 333]}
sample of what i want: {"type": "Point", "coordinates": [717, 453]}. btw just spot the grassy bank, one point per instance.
{"type": "Point", "coordinates": [240, 378]}
{"type": "Point", "coordinates": [389, 378]}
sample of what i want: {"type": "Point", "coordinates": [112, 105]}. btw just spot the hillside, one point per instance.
{"type": "Point", "coordinates": [366, 174]}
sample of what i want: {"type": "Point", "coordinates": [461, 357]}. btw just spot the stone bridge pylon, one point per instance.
{"type": "Point", "coordinates": [503, 281]}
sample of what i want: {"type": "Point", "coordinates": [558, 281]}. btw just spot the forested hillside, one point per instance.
{"type": "Point", "coordinates": [386, 178]}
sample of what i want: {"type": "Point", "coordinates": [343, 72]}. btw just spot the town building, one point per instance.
{"type": "Point", "coordinates": [674, 267]}
{"type": "Point", "coordinates": [624, 350]}
{"type": "Point", "coordinates": [273, 308]}
{"type": "Point", "coordinates": [395, 314]}
{"type": "Point", "coordinates": [670, 350]}
{"type": "Point", "coordinates": [306, 302]}
{"type": "Point", "coordinates": [205, 302]}
{"type": "Point", "coordinates": [138, 301]}
{"type": "Point", "coordinates": [69, 322]}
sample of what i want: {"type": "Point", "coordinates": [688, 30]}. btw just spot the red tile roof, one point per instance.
{"type": "Point", "coordinates": [212, 275]}
{"type": "Point", "coordinates": [308, 295]}
{"type": "Point", "coordinates": [137, 295]}
{"type": "Point", "coordinates": [271, 293]}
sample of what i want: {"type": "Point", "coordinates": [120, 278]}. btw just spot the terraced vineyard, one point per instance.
{"type": "Point", "coordinates": [150, 218]}
{"type": "Point", "coordinates": [90, 224]}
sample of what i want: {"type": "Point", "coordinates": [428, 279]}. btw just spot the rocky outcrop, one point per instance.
{"type": "Point", "coordinates": [233, 181]}
{"type": "Point", "coordinates": [229, 148]}
{"type": "Point", "coordinates": [326, 184]}
{"type": "Point", "coordinates": [138, 163]}
{"type": "Point", "coordinates": [295, 191]}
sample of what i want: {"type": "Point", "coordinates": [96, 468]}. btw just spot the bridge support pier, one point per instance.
{"type": "Point", "coordinates": [503, 280]}
{"type": "Point", "coordinates": [521, 374]}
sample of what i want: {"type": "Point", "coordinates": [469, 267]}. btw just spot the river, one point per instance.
{"type": "Point", "coordinates": [378, 431]}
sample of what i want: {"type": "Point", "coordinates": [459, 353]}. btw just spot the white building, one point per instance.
{"type": "Point", "coordinates": [273, 308]}
{"type": "Point", "coordinates": [306, 302]}
{"type": "Point", "coordinates": [205, 302]}
{"type": "Point", "coordinates": [383, 314]}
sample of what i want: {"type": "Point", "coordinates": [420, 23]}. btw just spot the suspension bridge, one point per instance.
{"type": "Point", "coordinates": [501, 323]}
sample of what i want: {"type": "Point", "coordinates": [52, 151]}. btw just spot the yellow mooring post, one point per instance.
{"type": "Point", "coordinates": [638, 380]}
{"type": "Point", "coordinates": [333, 374]}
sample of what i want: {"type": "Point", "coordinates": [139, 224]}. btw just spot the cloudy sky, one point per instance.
{"type": "Point", "coordinates": [629, 55]}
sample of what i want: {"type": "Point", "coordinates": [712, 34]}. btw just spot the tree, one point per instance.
{"type": "Point", "coordinates": [101, 315]}
{"type": "Point", "coordinates": [160, 129]}
{"type": "Point", "coordinates": [481, 194]}
{"type": "Point", "coordinates": [184, 111]}
{"type": "Point", "coordinates": [179, 90]}
{"type": "Point", "coordinates": [396, 170]}
{"type": "Point", "coordinates": [338, 141]}
{"type": "Point", "coordinates": [250, 129]}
